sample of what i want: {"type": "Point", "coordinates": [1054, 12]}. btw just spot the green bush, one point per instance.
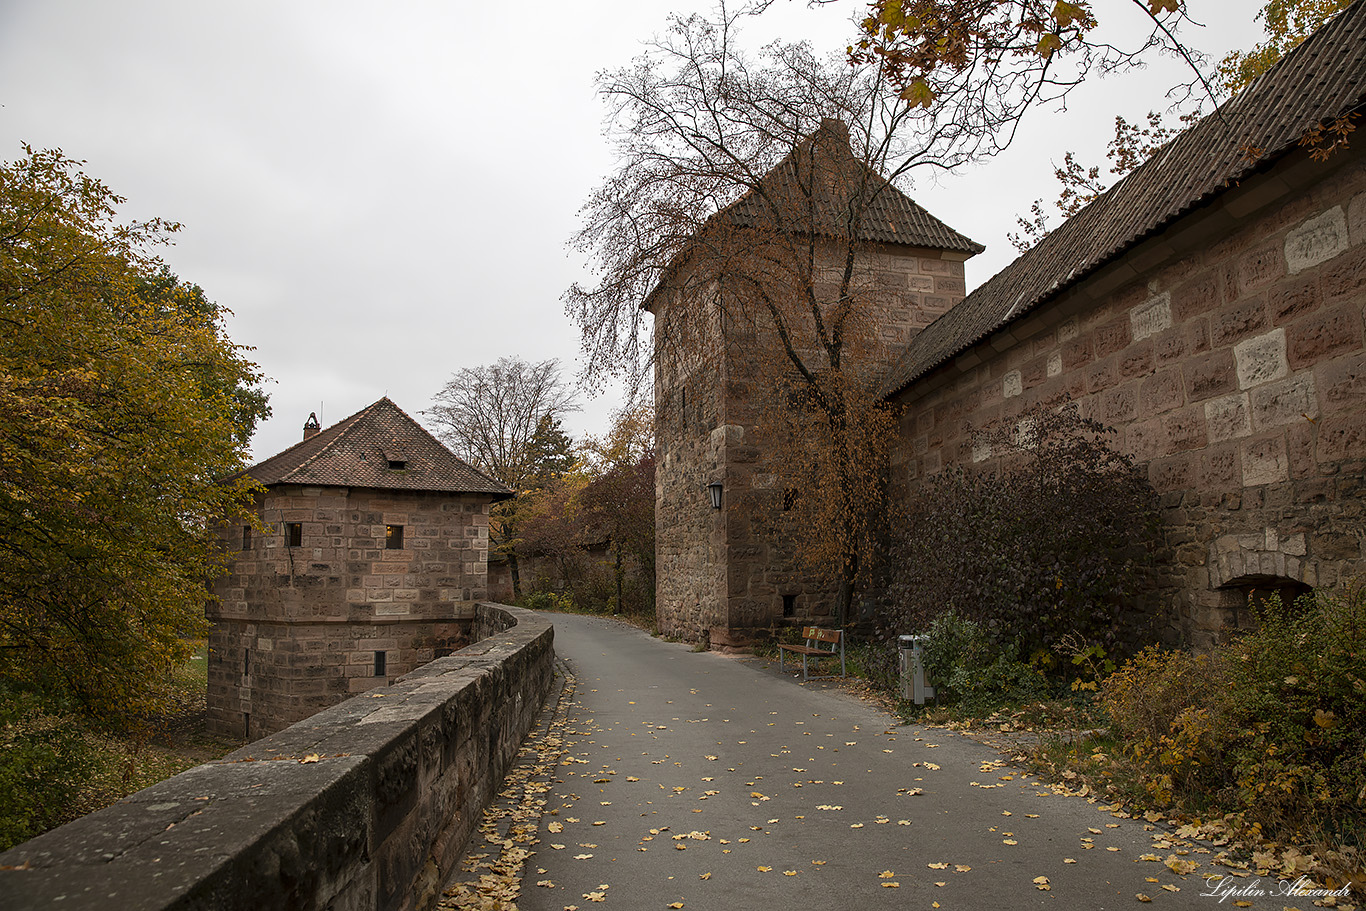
{"type": "Point", "coordinates": [1272, 724]}
{"type": "Point", "coordinates": [954, 646]}
{"type": "Point", "coordinates": [1296, 697]}
{"type": "Point", "coordinates": [980, 691]}
{"type": "Point", "coordinates": [542, 599]}
{"type": "Point", "coordinates": [45, 763]}
{"type": "Point", "coordinates": [877, 663]}
{"type": "Point", "coordinates": [1058, 540]}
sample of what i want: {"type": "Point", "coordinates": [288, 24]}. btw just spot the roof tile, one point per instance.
{"type": "Point", "coordinates": [1322, 79]}
{"type": "Point", "coordinates": [356, 452]}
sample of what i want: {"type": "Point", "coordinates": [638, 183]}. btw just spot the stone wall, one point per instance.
{"type": "Point", "coordinates": [1228, 353]}
{"type": "Point", "coordinates": [728, 574]}
{"type": "Point", "coordinates": [300, 628]}
{"type": "Point", "coordinates": [366, 805]}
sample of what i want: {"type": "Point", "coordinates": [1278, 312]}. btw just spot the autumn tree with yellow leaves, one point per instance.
{"type": "Point", "coordinates": [122, 402]}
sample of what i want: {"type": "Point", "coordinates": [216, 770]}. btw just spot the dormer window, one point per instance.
{"type": "Point", "coordinates": [398, 464]}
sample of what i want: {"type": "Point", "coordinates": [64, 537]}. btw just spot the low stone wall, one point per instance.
{"type": "Point", "coordinates": [366, 805]}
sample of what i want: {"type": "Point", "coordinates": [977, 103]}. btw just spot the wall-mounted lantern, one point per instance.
{"type": "Point", "coordinates": [714, 488]}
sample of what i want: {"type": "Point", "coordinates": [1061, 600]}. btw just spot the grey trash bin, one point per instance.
{"type": "Point", "coordinates": [911, 651]}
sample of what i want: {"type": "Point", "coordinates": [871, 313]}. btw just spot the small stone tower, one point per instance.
{"type": "Point", "coordinates": [373, 555]}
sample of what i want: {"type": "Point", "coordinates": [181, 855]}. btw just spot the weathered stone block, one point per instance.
{"type": "Point", "coordinates": [1286, 402]}
{"type": "Point", "coordinates": [1316, 240]}
{"type": "Point", "coordinates": [1260, 266]}
{"type": "Point", "coordinates": [1151, 317]}
{"type": "Point", "coordinates": [1342, 435]}
{"type": "Point", "coordinates": [1209, 374]}
{"type": "Point", "coordinates": [1239, 320]}
{"type": "Point", "coordinates": [1324, 334]}
{"type": "Point", "coordinates": [1261, 359]}
{"type": "Point", "coordinates": [1161, 392]}
{"type": "Point", "coordinates": [1264, 461]}
{"type": "Point", "coordinates": [1228, 417]}
{"type": "Point", "coordinates": [1342, 382]}
{"type": "Point", "coordinates": [1112, 336]}
{"type": "Point", "coordinates": [1136, 360]}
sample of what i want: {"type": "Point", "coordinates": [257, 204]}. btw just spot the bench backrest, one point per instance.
{"type": "Point", "coordinates": [814, 635]}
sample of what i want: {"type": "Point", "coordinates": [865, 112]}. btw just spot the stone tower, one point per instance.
{"type": "Point", "coordinates": [721, 574]}
{"type": "Point", "coordinates": [374, 554]}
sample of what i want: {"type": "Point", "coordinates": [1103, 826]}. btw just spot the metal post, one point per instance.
{"type": "Point", "coordinates": [910, 650]}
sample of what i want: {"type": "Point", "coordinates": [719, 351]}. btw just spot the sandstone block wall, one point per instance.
{"type": "Point", "coordinates": [727, 574]}
{"type": "Point", "coordinates": [1229, 355]}
{"type": "Point", "coordinates": [366, 805]}
{"type": "Point", "coordinates": [297, 628]}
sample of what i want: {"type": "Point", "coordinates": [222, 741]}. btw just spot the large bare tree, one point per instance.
{"type": "Point", "coordinates": [754, 182]}
{"type": "Point", "coordinates": [770, 260]}
{"type": "Point", "coordinates": [504, 419]}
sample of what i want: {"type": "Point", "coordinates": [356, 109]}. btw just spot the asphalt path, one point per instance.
{"type": "Point", "coordinates": [705, 781]}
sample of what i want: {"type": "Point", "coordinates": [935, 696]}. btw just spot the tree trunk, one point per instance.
{"type": "Point", "coordinates": [619, 574]}
{"type": "Point", "coordinates": [516, 576]}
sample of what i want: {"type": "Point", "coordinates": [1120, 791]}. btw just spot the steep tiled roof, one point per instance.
{"type": "Point", "coordinates": [891, 217]}
{"type": "Point", "coordinates": [1320, 80]}
{"type": "Point", "coordinates": [356, 452]}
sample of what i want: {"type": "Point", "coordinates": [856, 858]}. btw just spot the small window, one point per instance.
{"type": "Point", "coordinates": [789, 605]}
{"type": "Point", "coordinates": [246, 662]}
{"type": "Point", "coordinates": [294, 534]}
{"type": "Point", "coordinates": [393, 537]}
{"type": "Point", "coordinates": [246, 725]}
{"type": "Point", "coordinates": [398, 464]}
{"type": "Point", "coordinates": [789, 499]}
{"type": "Point", "coordinates": [246, 537]}
{"type": "Point", "coordinates": [381, 664]}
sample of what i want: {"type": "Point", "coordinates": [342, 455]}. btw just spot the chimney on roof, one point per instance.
{"type": "Point", "coordinates": [835, 131]}
{"type": "Point", "coordinates": [311, 425]}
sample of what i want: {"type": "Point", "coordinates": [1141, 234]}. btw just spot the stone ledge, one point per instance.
{"type": "Point", "coordinates": [364, 805]}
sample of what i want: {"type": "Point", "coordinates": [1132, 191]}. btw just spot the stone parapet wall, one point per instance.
{"type": "Point", "coordinates": [366, 805]}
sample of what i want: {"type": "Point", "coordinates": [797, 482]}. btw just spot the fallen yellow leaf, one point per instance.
{"type": "Point", "coordinates": [894, 886]}
{"type": "Point", "coordinates": [1141, 897]}
{"type": "Point", "coordinates": [764, 869]}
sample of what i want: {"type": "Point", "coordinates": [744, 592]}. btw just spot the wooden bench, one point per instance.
{"type": "Point", "coordinates": [820, 643]}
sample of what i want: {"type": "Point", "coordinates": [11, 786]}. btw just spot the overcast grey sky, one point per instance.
{"type": "Point", "coordinates": [381, 192]}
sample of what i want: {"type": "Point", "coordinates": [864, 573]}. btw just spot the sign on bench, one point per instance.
{"type": "Point", "coordinates": [820, 643]}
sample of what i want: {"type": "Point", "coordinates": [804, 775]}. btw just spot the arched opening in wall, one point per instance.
{"type": "Point", "coordinates": [1255, 594]}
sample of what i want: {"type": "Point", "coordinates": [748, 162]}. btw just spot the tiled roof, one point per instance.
{"type": "Point", "coordinates": [356, 452]}
{"type": "Point", "coordinates": [890, 218]}
{"type": "Point", "coordinates": [1320, 80]}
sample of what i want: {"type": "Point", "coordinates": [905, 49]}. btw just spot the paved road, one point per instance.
{"type": "Point", "coordinates": [715, 782]}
